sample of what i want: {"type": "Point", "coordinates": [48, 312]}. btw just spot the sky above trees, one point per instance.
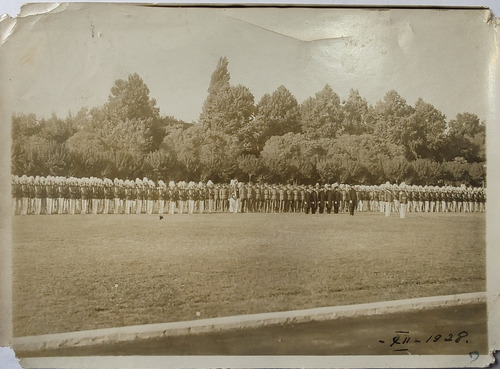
{"type": "Point", "coordinates": [66, 60]}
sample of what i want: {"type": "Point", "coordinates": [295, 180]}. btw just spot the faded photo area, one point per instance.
{"type": "Point", "coordinates": [249, 181]}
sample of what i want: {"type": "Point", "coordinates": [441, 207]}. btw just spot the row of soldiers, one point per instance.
{"type": "Point", "coordinates": [62, 195]}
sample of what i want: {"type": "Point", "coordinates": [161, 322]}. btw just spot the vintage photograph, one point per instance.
{"type": "Point", "coordinates": [248, 181]}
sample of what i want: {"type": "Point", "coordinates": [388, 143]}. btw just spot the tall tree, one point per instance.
{"type": "Point", "coordinates": [391, 117]}
{"type": "Point", "coordinates": [130, 117]}
{"type": "Point", "coordinates": [275, 115]}
{"type": "Point", "coordinates": [227, 108]}
{"type": "Point", "coordinates": [466, 138]}
{"type": "Point", "coordinates": [220, 77]}
{"type": "Point", "coordinates": [24, 125]}
{"type": "Point", "coordinates": [57, 129]}
{"type": "Point", "coordinates": [250, 165]}
{"type": "Point", "coordinates": [424, 136]}
{"type": "Point", "coordinates": [355, 114]}
{"type": "Point", "coordinates": [219, 154]}
{"type": "Point", "coordinates": [322, 115]}
{"type": "Point", "coordinates": [290, 157]}
{"type": "Point", "coordinates": [426, 171]}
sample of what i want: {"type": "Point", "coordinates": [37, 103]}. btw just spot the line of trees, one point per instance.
{"type": "Point", "coordinates": [277, 139]}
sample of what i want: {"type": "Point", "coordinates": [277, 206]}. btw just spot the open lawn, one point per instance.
{"type": "Point", "coordinates": [96, 271]}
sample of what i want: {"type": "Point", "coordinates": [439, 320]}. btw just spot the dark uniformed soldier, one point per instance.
{"type": "Point", "coordinates": [337, 198]}
{"type": "Point", "coordinates": [329, 199]}
{"type": "Point", "coordinates": [352, 199]}
{"type": "Point", "coordinates": [307, 200]}
{"type": "Point", "coordinates": [313, 204]}
{"type": "Point", "coordinates": [321, 200]}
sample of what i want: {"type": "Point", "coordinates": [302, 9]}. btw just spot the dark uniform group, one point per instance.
{"type": "Point", "coordinates": [62, 195]}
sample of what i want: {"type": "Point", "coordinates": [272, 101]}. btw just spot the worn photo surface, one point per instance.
{"type": "Point", "coordinates": [249, 181]}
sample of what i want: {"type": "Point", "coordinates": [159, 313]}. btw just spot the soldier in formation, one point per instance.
{"type": "Point", "coordinates": [69, 195]}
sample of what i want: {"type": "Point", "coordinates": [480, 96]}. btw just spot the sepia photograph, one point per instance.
{"type": "Point", "coordinates": [257, 186]}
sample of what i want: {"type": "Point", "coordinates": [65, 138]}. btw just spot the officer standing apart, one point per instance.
{"type": "Point", "coordinates": [352, 199]}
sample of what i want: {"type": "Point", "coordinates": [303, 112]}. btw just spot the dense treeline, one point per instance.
{"type": "Point", "coordinates": [276, 139]}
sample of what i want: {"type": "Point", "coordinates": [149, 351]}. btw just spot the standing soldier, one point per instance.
{"type": "Point", "coordinates": [16, 195]}
{"type": "Point", "coordinates": [122, 193]}
{"type": "Point", "coordinates": [58, 183]}
{"type": "Point", "coordinates": [65, 196]}
{"type": "Point", "coordinates": [173, 195]}
{"type": "Point", "coordinates": [232, 191]}
{"type": "Point", "coordinates": [139, 195]}
{"type": "Point", "coordinates": [210, 196]}
{"type": "Point", "coordinates": [426, 199]}
{"type": "Point", "coordinates": [381, 196]}
{"type": "Point", "coordinates": [289, 199]}
{"type": "Point", "coordinates": [371, 196]}
{"type": "Point", "coordinates": [162, 196]}
{"type": "Point", "coordinates": [202, 195]}
{"type": "Point", "coordinates": [258, 198]}
{"type": "Point", "coordinates": [129, 196]}
{"type": "Point", "coordinates": [243, 206]}
{"type": "Point", "coordinates": [460, 200]}
{"type": "Point", "coordinates": [38, 195]}
{"type": "Point", "coordinates": [321, 199]}
{"type": "Point", "coordinates": [430, 196]}
{"type": "Point", "coordinates": [251, 197]}
{"type": "Point", "coordinates": [329, 199]}
{"type": "Point", "coordinates": [352, 199]}
{"type": "Point", "coordinates": [116, 195]}
{"type": "Point", "coordinates": [344, 204]}
{"type": "Point", "coordinates": [267, 199]}
{"type": "Point", "coordinates": [337, 196]}
{"type": "Point", "coordinates": [32, 195]}
{"type": "Point", "coordinates": [282, 198]}
{"type": "Point", "coordinates": [421, 199]}
{"type": "Point", "coordinates": [442, 198]}
{"type": "Point", "coordinates": [49, 191]}
{"type": "Point", "coordinates": [191, 196]}
{"type": "Point", "coordinates": [409, 193]}
{"type": "Point", "coordinates": [403, 200]}
{"type": "Point", "coordinates": [454, 199]}
{"type": "Point", "coordinates": [307, 200]}
{"type": "Point", "coordinates": [388, 199]}
{"type": "Point", "coordinates": [224, 197]}
{"type": "Point", "coordinates": [216, 193]}
{"type": "Point", "coordinates": [366, 198]}
{"type": "Point", "coordinates": [108, 195]}
{"type": "Point", "coordinates": [477, 198]}
{"type": "Point", "coordinates": [360, 194]}
{"type": "Point", "coordinates": [482, 200]}
{"type": "Point", "coordinates": [84, 195]}
{"type": "Point", "coordinates": [93, 195]}
{"type": "Point", "coordinates": [183, 196]}
{"type": "Point", "coordinates": [314, 199]}
{"type": "Point", "coordinates": [302, 196]}
{"type": "Point", "coordinates": [295, 199]}
{"type": "Point", "coordinates": [274, 198]}
{"type": "Point", "coordinates": [74, 194]}
{"type": "Point", "coordinates": [470, 205]}
{"type": "Point", "coordinates": [150, 196]}
{"type": "Point", "coordinates": [25, 195]}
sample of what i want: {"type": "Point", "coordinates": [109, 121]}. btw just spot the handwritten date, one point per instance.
{"type": "Point", "coordinates": [403, 338]}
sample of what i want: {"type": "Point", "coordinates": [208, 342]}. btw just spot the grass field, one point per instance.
{"type": "Point", "coordinates": [93, 271]}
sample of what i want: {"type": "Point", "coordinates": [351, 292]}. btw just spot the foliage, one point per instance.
{"type": "Point", "coordinates": [322, 115]}
{"type": "Point", "coordinates": [278, 139]}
